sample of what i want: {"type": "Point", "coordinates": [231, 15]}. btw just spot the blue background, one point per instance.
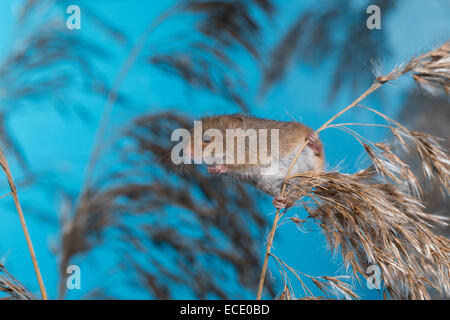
{"type": "Point", "coordinates": [52, 143]}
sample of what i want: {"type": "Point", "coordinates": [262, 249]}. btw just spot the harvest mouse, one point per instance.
{"type": "Point", "coordinates": [223, 157]}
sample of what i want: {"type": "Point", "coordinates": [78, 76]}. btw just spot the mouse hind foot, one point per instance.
{"type": "Point", "coordinates": [281, 202]}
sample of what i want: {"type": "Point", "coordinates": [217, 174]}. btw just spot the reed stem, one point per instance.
{"type": "Point", "coordinates": [5, 167]}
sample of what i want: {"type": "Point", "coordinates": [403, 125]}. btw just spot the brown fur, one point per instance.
{"type": "Point", "coordinates": [292, 135]}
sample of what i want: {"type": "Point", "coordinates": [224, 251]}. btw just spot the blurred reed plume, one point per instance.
{"type": "Point", "coordinates": [311, 39]}
{"type": "Point", "coordinates": [203, 61]}
{"type": "Point", "coordinates": [223, 214]}
{"type": "Point", "coordinates": [376, 217]}
{"type": "Point", "coordinates": [11, 287]}
{"type": "Point", "coordinates": [45, 64]}
{"type": "Point", "coordinates": [192, 219]}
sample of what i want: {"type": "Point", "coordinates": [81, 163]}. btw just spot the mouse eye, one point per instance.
{"type": "Point", "coordinates": [207, 139]}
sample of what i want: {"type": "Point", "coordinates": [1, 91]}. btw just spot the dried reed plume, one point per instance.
{"type": "Point", "coordinates": [376, 223]}
{"type": "Point", "coordinates": [12, 287]}
{"type": "Point", "coordinates": [331, 287]}
{"type": "Point", "coordinates": [431, 70]}
{"type": "Point", "coordinates": [376, 217]}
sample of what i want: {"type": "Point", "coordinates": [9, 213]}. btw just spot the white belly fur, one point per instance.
{"type": "Point", "coordinates": [272, 183]}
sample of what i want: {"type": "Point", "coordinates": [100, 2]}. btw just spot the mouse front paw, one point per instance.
{"type": "Point", "coordinates": [281, 203]}
{"type": "Point", "coordinates": [217, 169]}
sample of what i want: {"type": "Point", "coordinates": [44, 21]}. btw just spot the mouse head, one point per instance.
{"type": "Point", "coordinates": [208, 138]}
